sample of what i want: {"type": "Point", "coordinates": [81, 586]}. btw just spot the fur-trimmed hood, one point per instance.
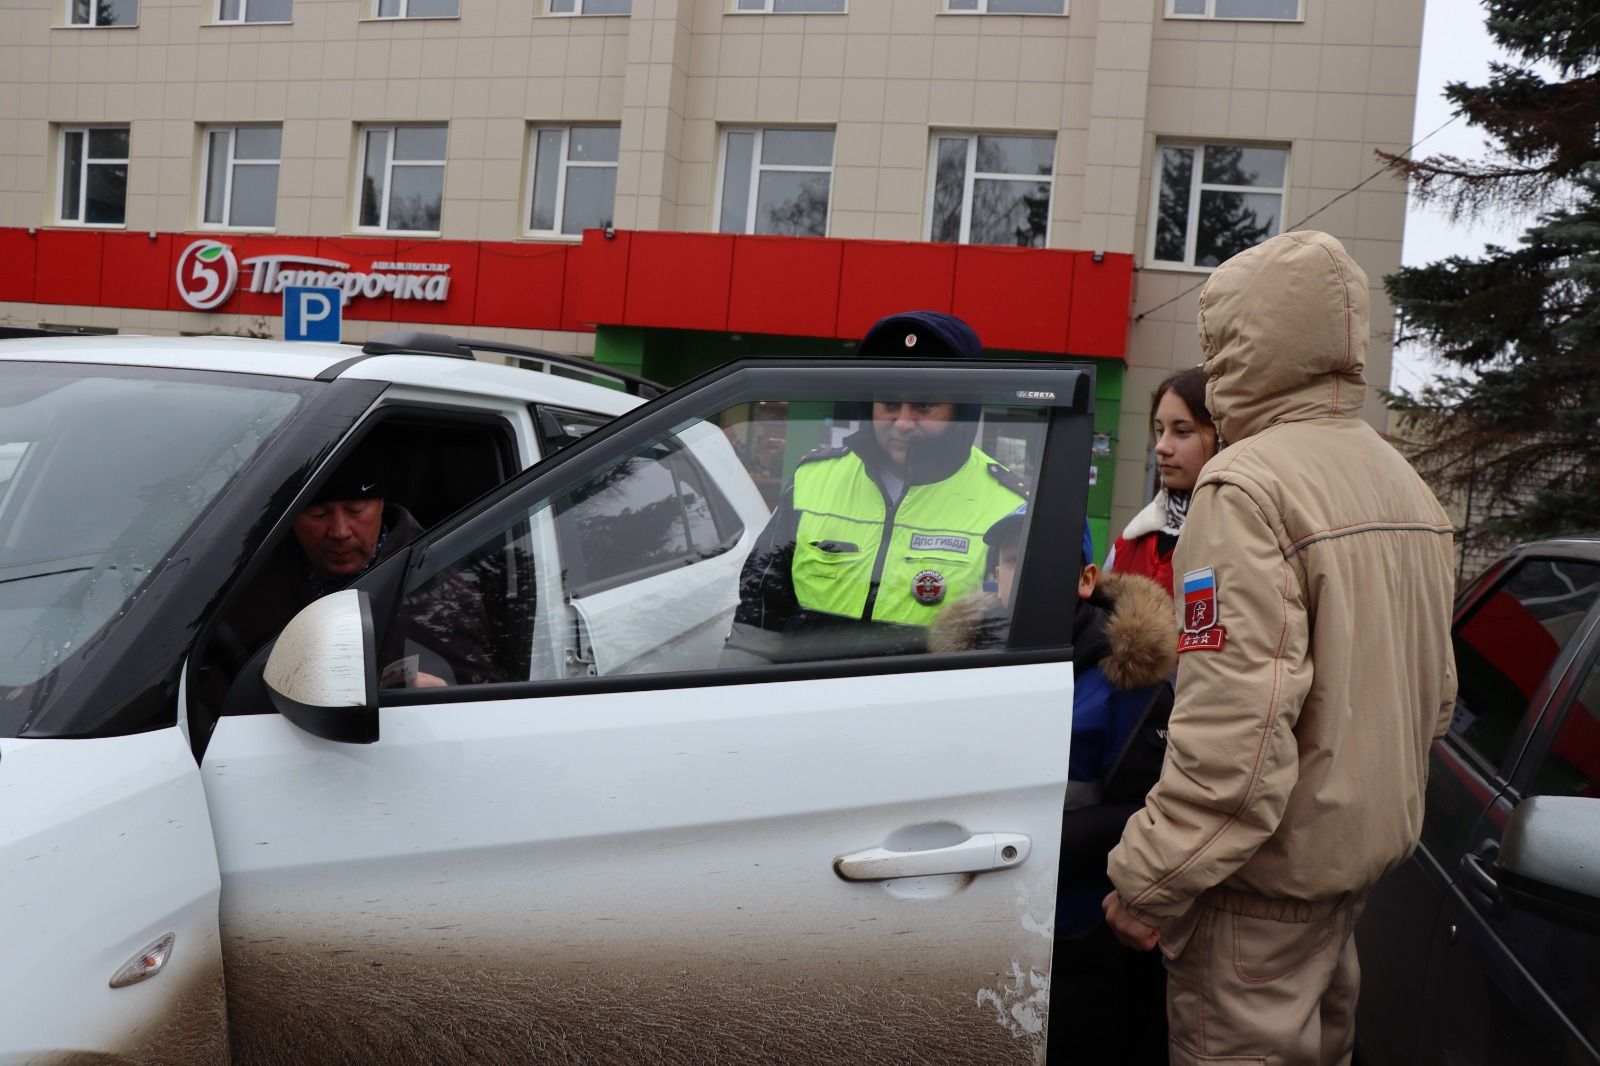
{"type": "Point", "coordinates": [977, 620]}
{"type": "Point", "coordinates": [1140, 632]}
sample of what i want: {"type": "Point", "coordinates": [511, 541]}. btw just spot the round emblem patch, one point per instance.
{"type": "Point", "coordinates": [928, 587]}
{"type": "Point", "coordinates": [911, 340]}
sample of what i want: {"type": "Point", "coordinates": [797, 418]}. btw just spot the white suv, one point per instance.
{"type": "Point", "coordinates": [611, 840]}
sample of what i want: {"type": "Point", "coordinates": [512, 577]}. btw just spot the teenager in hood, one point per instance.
{"type": "Point", "coordinates": [1315, 670]}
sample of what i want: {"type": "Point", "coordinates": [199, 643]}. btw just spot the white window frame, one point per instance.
{"type": "Point", "coordinates": [94, 22]}
{"type": "Point", "coordinates": [1210, 14]}
{"type": "Point", "coordinates": [83, 176]}
{"type": "Point", "coordinates": [973, 174]}
{"type": "Point", "coordinates": [561, 177]}
{"type": "Point", "coordinates": [579, 12]}
{"type": "Point", "coordinates": [389, 165]}
{"type": "Point", "coordinates": [766, 9]}
{"type": "Point", "coordinates": [405, 12]}
{"type": "Point", "coordinates": [1197, 186]}
{"type": "Point", "coordinates": [244, 16]}
{"type": "Point", "coordinates": [756, 167]}
{"type": "Point", "coordinates": [983, 9]}
{"type": "Point", "coordinates": [231, 163]}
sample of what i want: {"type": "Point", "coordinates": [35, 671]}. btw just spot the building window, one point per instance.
{"type": "Point", "coordinates": [1231, 201]}
{"type": "Point", "coordinates": [419, 9]}
{"type": "Point", "coordinates": [1007, 7]}
{"type": "Point", "coordinates": [241, 169]}
{"type": "Point", "coordinates": [991, 188]}
{"type": "Point", "coordinates": [791, 6]}
{"type": "Point", "coordinates": [574, 178]}
{"type": "Point", "coordinates": [255, 10]}
{"type": "Point", "coordinates": [103, 12]}
{"type": "Point", "coordinates": [776, 181]}
{"type": "Point", "coordinates": [591, 7]}
{"type": "Point", "coordinates": [402, 178]}
{"type": "Point", "coordinates": [1274, 10]}
{"type": "Point", "coordinates": [94, 175]}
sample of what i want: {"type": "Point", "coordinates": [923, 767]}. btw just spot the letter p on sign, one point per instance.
{"type": "Point", "coordinates": [312, 314]}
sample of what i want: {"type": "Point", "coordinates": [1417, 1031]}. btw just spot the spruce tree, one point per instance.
{"type": "Point", "coordinates": [1516, 430]}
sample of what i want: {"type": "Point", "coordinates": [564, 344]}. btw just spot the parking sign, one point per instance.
{"type": "Point", "coordinates": [311, 314]}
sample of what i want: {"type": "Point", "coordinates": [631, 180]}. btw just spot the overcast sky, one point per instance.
{"type": "Point", "coordinates": [1455, 47]}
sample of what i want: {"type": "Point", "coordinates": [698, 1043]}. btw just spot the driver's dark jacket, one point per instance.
{"type": "Point", "coordinates": [445, 623]}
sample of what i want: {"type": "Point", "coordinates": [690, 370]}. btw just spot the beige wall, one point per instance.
{"type": "Point", "coordinates": [1111, 80]}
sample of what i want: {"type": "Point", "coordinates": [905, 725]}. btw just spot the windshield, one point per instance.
{"type": "Point", "coordinates": [102, 472]}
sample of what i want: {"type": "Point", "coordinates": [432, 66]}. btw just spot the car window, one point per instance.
{"type": "Point", "coordinates": [1572, 765]}
{"type": "Point", "coordinates": [1507, 645]}
{"type": "Point", "coordinates": [757, 533]}
{"type": "Point", "coordinates": [652, 512]}
{"type": "Point", "coordinates": [424, 463]}
{"type": "Point", "coordinates": [559, 427]}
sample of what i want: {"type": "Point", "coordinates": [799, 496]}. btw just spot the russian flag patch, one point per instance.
{"type": "Point", "coordinates": [1200, 629]}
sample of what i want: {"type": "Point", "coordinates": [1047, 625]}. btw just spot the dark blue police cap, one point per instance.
{"type": "Point", "coordinates": [922, 333]}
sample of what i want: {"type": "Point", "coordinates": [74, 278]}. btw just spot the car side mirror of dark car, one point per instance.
{"type": "Point", "coordinates": [1549, 862]}
{"type": "Point", "coordinates": [322, 673]}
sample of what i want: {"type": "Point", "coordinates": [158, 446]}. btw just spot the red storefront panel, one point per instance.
{"type": "Point", "coordinates": [67, 267]}
{"type": "Point", "coordinates": [1101, 294]}
{"type": "Point", "coordinates": [519, 284]}
{"type": "Point", "coordinates": [136, 271]}
{"type": "Point", "coordinates": [597, 277]}
{"type": "Point", "coordinates": [464, 258]}
{"type": "Point", "coordinates": [572, 290]}
{"type": "Point", "coordinates": [360, 253]}
{"type": "Point", "coordinates": [880, 277]}
{"type": "Point", "coordinates": [1041, 300]}
{"type": "Point", "coordinates": [679, 280]}
{"type": "Point", "coordinates": [785, 285]}
{"type": "Point", "coordinates": [17, 253]}
{"type": "Point", "coordinates": [1016, 298]}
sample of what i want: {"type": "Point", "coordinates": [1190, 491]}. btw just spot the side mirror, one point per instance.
{"type": "Point", "coordinates": [1550, 860]}
{"type": "Point", "coordinates": [323, 670]}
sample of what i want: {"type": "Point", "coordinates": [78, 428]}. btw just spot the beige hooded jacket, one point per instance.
{"type": "Point", "coordinates": [1298, 747]}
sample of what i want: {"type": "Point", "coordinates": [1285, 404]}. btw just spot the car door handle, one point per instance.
{"type": "Point", "coordinates": [979, 852]}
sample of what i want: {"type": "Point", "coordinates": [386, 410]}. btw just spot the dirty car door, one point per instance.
{"type": "Point", "coordinates": [832, 841]}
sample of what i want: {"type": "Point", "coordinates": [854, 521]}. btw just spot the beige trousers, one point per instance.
{"type": "Point", "coordinates": [1244, 989]}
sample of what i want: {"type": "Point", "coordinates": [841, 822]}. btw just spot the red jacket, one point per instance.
{"type": "Point", "coordinates": [1138, 550]}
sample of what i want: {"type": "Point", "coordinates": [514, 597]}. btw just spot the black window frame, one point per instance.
{"type": "Point", "coordinates": [1042, 616]}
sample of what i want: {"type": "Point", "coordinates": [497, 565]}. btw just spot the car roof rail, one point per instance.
{"type": "Point", "coordinates": [633, 384]}
{"type": "Point", "coordinates": [8, 333]}
{"type": "Point", "coordinates": [411, 342]}
{"type": "Point", "coordinates": [406, 342]}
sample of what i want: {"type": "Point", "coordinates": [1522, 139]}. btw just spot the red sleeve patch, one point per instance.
{"type": "Point", "coordinates": [1206, 640]}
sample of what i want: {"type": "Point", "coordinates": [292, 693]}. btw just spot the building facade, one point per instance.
{"type": "Point", "coordinates": [665, 184]}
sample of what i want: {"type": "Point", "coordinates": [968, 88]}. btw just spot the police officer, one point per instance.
{"type": "Point", "coordinates": [871, 538]}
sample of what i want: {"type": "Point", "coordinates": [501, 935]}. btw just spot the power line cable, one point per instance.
{"type": "Point", "coordinates": [1381, 170]}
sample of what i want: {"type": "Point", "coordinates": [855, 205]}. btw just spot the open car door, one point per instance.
{"type": "Point", "coordinates": [811, 839]}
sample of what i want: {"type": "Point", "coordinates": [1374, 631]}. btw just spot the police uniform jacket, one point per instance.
{"type": "Point", "coordinates": [839, 552]}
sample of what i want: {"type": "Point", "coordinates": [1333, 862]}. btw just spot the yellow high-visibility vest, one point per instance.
{"type": "Point", "coordinates": [923, 553]}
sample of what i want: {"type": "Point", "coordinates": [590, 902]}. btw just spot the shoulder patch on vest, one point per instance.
{"type": "Point", "coordinates": [818, 454]}
{"type": "Point", "coordinates": [1008, 479]}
